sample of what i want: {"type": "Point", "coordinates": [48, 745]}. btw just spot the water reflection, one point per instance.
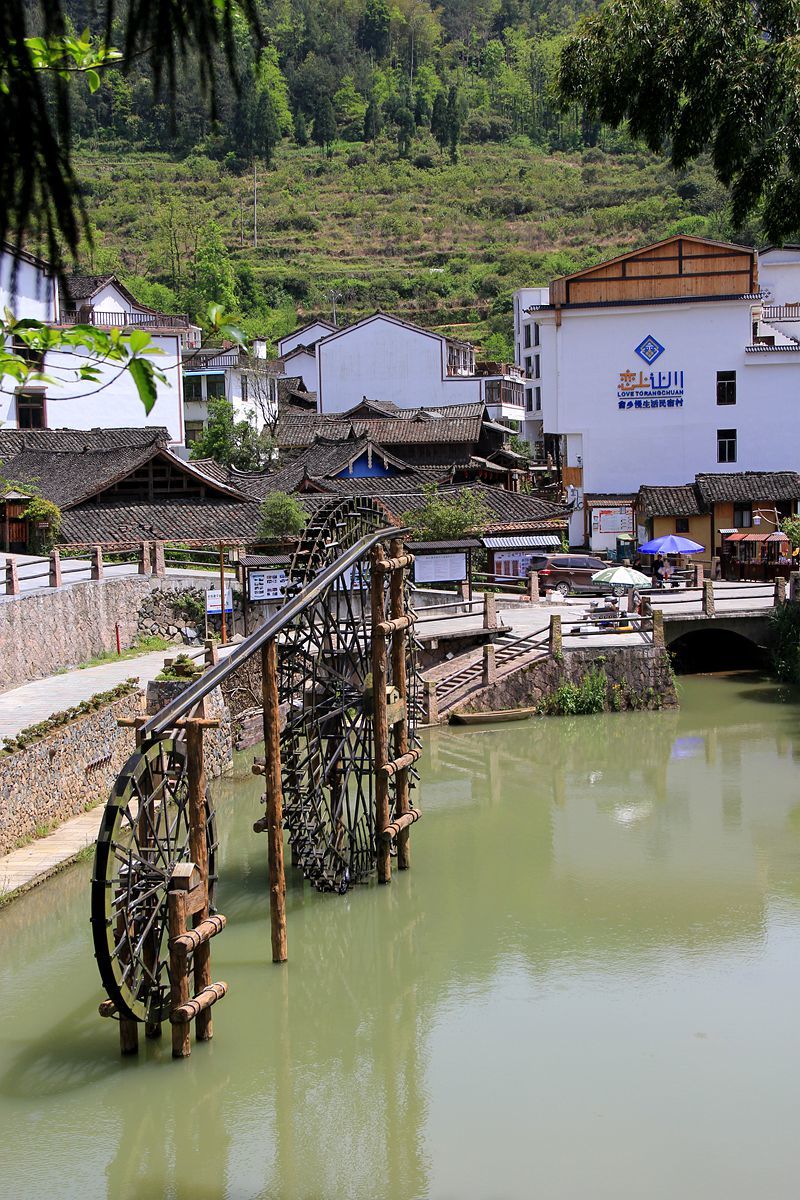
{"type": "Point", "coordinates": [590, 901]}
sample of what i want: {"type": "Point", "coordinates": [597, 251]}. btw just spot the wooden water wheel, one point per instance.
{"type": "Point", "coordinates": [327, 749]}
{"type": "Point", "coordinates": [143, 836]}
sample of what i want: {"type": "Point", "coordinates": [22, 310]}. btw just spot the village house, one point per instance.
{"type": "Point", "coordinates": [719, 510]}
{"type": "Point", "coordinates": [250, 382]}
{"type": "Point", "coordinates": [677, 359]}
{"type": "Point", "coordinates": [396, 361]}
{"type": "Point", "coordinates": [112, 401]}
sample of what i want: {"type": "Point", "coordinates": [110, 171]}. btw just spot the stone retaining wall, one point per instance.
{"type": "Point", "coordinates": [64, 774]}
{"type": "Point", "coordinates": [639, 677]}
{"type": "Point", "coordinates": [47, 631]}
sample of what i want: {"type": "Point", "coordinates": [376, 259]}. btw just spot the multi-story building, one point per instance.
{"type": "Point", "coordinates": [387, 359]}
{"type": "Point", "coordinates": [662, 363]}
{"type": "Point", "coordinates": [30, 289]}
{"type": "Point", "coordinates": [249, 381]}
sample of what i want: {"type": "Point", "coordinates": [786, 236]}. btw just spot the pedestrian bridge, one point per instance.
{"type": "Point", "coordinates": [739, 609]}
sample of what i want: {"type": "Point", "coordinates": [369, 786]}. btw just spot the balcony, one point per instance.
{"type": "Point", "coordinates": [126, 320]}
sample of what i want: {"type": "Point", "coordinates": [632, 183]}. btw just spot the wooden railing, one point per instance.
{"type": "Point", "coordinates": [124, 320]}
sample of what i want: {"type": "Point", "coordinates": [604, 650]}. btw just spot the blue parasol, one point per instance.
{"type": "Point", "coordinates": [671, 544]}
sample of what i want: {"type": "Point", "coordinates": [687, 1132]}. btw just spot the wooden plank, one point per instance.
{"type": "Point", "coordinates": [379, 718]}
{"type": "Point", "coordinates": [274, 800]}
{"type": "Point", "coordinates": [402, 759]}
{"type": "Point", "coordinates": [198, 849]}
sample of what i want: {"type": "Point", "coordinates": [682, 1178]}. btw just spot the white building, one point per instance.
{"type": "Point", "coordinates": [660, 364]}
{"type": "Point", "coordinates": [112, 401]}
{"type": "Point", "coordinates": [249, 382]}
{"type": "Point", "coordinates": [389, 359]}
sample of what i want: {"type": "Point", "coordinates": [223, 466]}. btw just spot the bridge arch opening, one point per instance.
{"type": "Point", "coordinates": [704, 651]}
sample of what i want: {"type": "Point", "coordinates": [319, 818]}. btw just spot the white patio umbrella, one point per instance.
{"type": "Point", "coordinates": [621, 577]}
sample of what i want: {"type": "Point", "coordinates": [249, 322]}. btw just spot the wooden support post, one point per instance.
{"type": "Point", "coordinates": [179, 979]}
{"type": "Point", "coordinates": [658, 628]}
{"type": "Point", "coordinates": [708, 597]}
{"type": "Point", "coordinates": [400, 681]}
{"type": "Point", "coordinates": [97, 562]}
{"type": "Point", "coordinates": [128, 1036]}
{"type": "Point", "coordinates": [489, 668]}
{"type": "Point", "coordinates": [780, 591]}
{"type": "Point", "coordinates": [159, 560]}
{"type": "Point", "coordinates": [223, 617]}
{"type": "Point", "coordinates": [274, 799]}
{"type": "Point", "coordinates": [211, 655]}
{"type": "Point", "coordinates": [489, 610]}
{"type": "Point", "coordinates": [54, 578]}
{"type": "Point", "coordinates": [380, 720]}
{"type": "Point", "coordinates": [555, 643]}
{"type": "Point", "coordinates": [144, 558]}
{"type": "Point", "coordinates": [431, 702]}
{"type": "Point", "coordinates": [533, 587]}
{"type": "Point", "coordinates": [198, 850]}
{"type": "Point", "coordinates": [12, 578]}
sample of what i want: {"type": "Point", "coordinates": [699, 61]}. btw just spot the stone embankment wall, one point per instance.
{"type": "Point", "coordinates": [74, 768]}
{"type": "Point", "coordinates": [44, 632]}
{"type": "Point", "coordinates": [66, 773]}
{"type": "Point", "coordinates": [639, 677]}
{"type": "Point", "coordinates": [168, 612]}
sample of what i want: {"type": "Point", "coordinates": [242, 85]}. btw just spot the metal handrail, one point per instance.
{"type": "Point", "coordinates": [177, 708]}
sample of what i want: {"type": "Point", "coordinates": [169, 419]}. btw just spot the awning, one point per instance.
{"type": "Point", "coordinates": [725, 531]}
{"type": "Point", "coordinates": [777, 537]}
{"type": "Point", "coordinates": [533, 541]}
{"type": "Point", "coordinates": [735, 537]}
{"type": "Point", "coordinates": [756, 537]}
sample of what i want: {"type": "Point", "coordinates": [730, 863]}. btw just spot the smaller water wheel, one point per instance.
{"type": "Point", "coordinates": [144, 834]}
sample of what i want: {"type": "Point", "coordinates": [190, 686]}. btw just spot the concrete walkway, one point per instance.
{"type": "Point", "coordinates": [34, 702]}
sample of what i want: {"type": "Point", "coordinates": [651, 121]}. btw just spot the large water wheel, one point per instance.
{"type": "Point", "coordinates": [324, 683]}
{"type": "Point", "coordinates": [327, 755]}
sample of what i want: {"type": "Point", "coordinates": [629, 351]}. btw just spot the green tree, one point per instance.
{"type": "Point", "coordinates": [690, 76]}
{"type": "Point", "coordinates": [445, 517]}
{"type": "Point", "coordinates": [281, 515]}
{"type": "Point", "coordinates": [406, 128]}
{"type": "Point", "coordinates": [300, 130]}
{"type": "Point", "coordinates": [230, 442]}
{"type": "Point", "coordinates": [372, 121]}
{"type": "Point", "coordinates": [268, 132]}
{"type": "Point", "coordinates": [324, 130]}
{"type": "Point", "coordinates": [213, 272]}
{"type": "Point", "coordinates": [453, 123]}
{"type": "Point", "coordinates": [791, 527]}
{"type": "Point", "coordinates": [439, 127]}
{"type": "Point", "coordinates": [374, 28]}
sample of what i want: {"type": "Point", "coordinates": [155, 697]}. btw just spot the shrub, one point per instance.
{"type": "Point", "coordinates": [282, 515]}
{"type": "Point", "coordinates": [578, 699]}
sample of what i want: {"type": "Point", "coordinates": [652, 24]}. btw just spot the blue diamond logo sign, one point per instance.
{"type": "Point", "coordinates": [649, 349]}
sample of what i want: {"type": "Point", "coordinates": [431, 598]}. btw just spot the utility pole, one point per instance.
{"type": "Point", "coordinates": [255, 206]}
{"type": "Point", "coordinates": [241, 219]}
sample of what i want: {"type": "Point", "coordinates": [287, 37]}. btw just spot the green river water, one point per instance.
{"type": "Point", "coordinates": [587, 986]}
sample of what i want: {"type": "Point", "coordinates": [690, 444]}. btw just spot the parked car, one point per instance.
{"type": "Point", "coordinates": [567, 573]}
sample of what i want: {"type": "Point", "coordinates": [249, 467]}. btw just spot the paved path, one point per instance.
{"type": "Point", "coordinates": [34, 702]}
{"type": "Point", "coordinates": [24, 868]}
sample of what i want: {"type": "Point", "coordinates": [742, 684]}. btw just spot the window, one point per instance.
{"type": "Point", "coordinates": [529, 399]}
{"type": "Point", "coordinates": [30, 410]}
{"type": "Point", "coordinates": [726, 445]}
{"type": "Point", "coordinates": [193, 388]}
{"type": "Point", "coordinates": [726, 387]}
{"type": "Point", "coordinates": [528, 367]}
{"type": "Point", "coordinates": [215, 387]}
{"type": "Point", "coordinates": [194, 430]}
{"type": "Point", "coordinates": [681, 524]}
{"type": "Point", "coordinates": [535, 333]}
{"type": "Point", "coordinates": [537, 395]}
{"type": "Point", "coordinates": [743, 515]}
{"type": "Point", "coordinates": [244, 389]}
{"type": "Point", "coordinates": [536, 371]}
{"type": "Point", "coordinates": [527, 335]}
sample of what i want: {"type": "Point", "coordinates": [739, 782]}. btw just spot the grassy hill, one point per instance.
{"type": "Point", "coordinates": [442, 244]}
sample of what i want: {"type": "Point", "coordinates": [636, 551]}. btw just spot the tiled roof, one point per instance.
{"type": "Point", "coordinates": [748, 485]}
{"type": "Point", "coordinates": [680, 501]}
{"type": "Point", "coordinates": [83, 287]}
{"type": "Point", "coordinates": [511, 511]}
{"type": "Point", "coordinates": [13, 441]}
{"type": "Point", "coordinates": [229, 521]}
{"type": "Point", "coordinates": [296, 431]}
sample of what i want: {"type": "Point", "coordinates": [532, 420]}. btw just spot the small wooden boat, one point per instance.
{"type": "Point", "coordinates": [488, 718]}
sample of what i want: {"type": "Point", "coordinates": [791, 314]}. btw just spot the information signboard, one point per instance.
{"type": "Point", "coordinates": [213, 604]}
{"type": "Point", "coordinates": [266, 585]}
{"type": "Point", "coordinates": [440, 568]}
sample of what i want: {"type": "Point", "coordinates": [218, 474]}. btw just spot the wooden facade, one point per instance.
{"type": "Point", "coordinates": [678, 268]}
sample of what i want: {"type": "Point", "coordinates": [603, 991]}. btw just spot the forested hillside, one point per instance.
{"type": "Point", "coordinates": [410, 157]}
